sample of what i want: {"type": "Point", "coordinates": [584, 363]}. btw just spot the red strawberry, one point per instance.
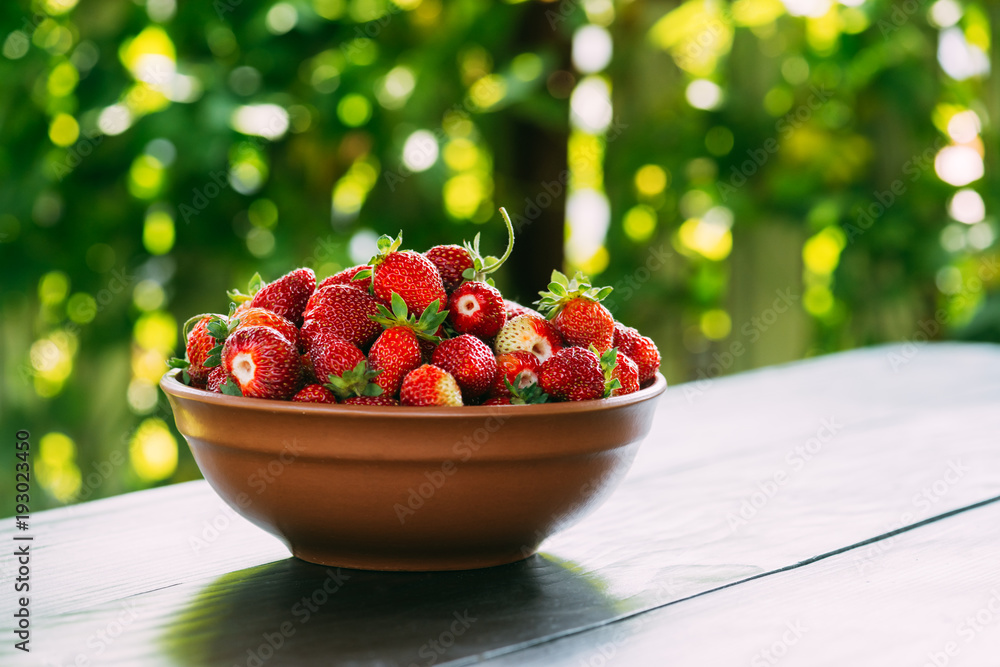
{"type": "Point", "coordinates": [451, 262]}
{"type": "Point", "coordinates": [575, 309]}
{"type": "Point", "coordinates": [430, 385]}
{"type": "Point", "coordinates": [572, 374]}
{"type": "Point", "coordinates": [529, 333]}
{"type": "Point", "coordinates": [253, 317]}
{"type": "Point", "coordinates": [640, 349]}
{"type": "Point", "coordinates": [203, 348]}
{"type": "Point", "coordinates": [470, 361]}
{"type": "Point", "coordinates": [287, 296]}
{"type": "Point", "coordinates": [627, 373]}
{"type": "Point", "coordinates": [199, 344]}
{"type": "Point", "coordinates": [396, 352]}
{"type": "Point", "coordinates": [400, 348]}
{"type": "Point", "coordinates": [262, 362]}
{"type": "Point", "coordinates": [519, 368]}
{"type": "Point", "coordinates": [513, 309]}
{"type": "Point", "coordinates": [371, 400]}
{"type": "Point", "coordinates": [314, 393]}
{"type": "Point", "coordinates": [497, 400]}
{"type": "Point", "coordinates": [407, 273]}
{"type": "Point", "coordinates": [346, 277]}
{"type": "Point", "coordinates": [477, 308]}
{"type": "Point", "coordinates": [243, 307]}
{"type": "Point", "coordinates": [332, 355]}
{"type": "Point", "coordinates": [584, 323]}
{"type": "Point", "coordinates": [343, 311]}
{"type": "Point", "coordinates": [215, 380]}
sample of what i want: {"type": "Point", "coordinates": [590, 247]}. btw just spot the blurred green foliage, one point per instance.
{"type": "Point", "coordinates": [761, 181]}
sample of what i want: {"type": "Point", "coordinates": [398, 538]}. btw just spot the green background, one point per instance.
{"type": "Point", "coordinates": [777, 186]}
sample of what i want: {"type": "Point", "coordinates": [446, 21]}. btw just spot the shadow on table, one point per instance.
{"type": "Point", "coordinates": [295, 613]}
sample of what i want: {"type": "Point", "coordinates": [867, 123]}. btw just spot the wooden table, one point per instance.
{"type": "Point", "coordinates": [837, 511]}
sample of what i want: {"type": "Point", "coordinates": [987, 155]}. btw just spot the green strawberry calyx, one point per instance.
{"type": "Point", "coordinates": [482, 267]}
{"type": "Point", "coordinates": [609, 361]}
{"type": "Point", "coordinates": [530, 395]}
{"type": "Point", "coordinates": [230, 388]}
{"type": "Point", "coordinates": [355, 381]}
{"type": "Point", "coordinates": [219, 327]}
{"type": "Point", "coordinates": [385, 245]}
{"type": "Point", "coordinates": [424, 327]}
{"type": "Point", "coordinates": [562, 290]}
{"type": "Point", "coordinates": [255, 285]}
{"type": "Point", "coordinates": [183, 364]}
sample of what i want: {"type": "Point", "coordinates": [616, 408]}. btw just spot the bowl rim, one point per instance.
{"type": "Point", "coordinates": [174, 387]}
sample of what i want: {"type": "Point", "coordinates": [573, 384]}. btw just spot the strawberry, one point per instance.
{"type": "Point", "coordinates": [286, 296]}
{"type": "Point", "coordinates": [332, 355]}
{"type": "Point", "coordinates": [314, 393]}
{"type": "Point", "coordinates": [572, 374]}
{"type": "Point", "coordinates": [343, 311]}
{"type": "Point", "coordinates": [519, 368]}
{"type": "Point", "coordinates": [621, 375]}
{"type": "Point", "coordinates": [529, 333]}
{"type": "Point", "coordinates": [430, 385]}
{"type": "Point", "coordinates": [215, 380]}
{"type": "Point", "coordinates": [451, 262]}
{"type": "Point", "coordinates": [203, 347]}
{"type": "Point", "coordinates": [398, 350]}
{"type": "Point", "coordinates": [262, 362]}
{"type": "Point", "coordinates": [470, 361]}
{"type": "Point", "coordinates": [513, 309]}
{"type": "Point", "coordinates": [371, 400]}
{"type": "Point", "coordinates": [477, 308]}
{"type": "Point", "coordinates": [253, 317]}
{"type": "Point", "coordinates": [346, 277]}
{"type": "Point", "coordinates": [640, 349]}
{"type": "Point", "coordinates": [519, 391]}
{"type": "Point", "coordinates": [395, 352]}
{"type": "Point", "coordinates": [627, 373]}
{"type": "Point", "coordinates": [407, 273]}
{"type": "Point", "coordinates": [498, 400]}
{"type": "Point", "coordinates": [355, 382]}
{"type": "Point", "coordinates": [199, 345]}
{"type": "Point", "coordinates": [575, 309]}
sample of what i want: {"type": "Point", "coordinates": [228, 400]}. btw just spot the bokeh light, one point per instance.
{"type": "Point", "coordinates": [967, 206]}
{"type": "Point", "coordinates": [153, 451]}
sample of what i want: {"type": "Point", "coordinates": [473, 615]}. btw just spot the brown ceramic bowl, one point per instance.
{"type": "Point", "coordinates": [402, 488]}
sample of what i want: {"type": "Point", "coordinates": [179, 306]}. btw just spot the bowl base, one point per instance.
{"type": "Point", "coordinates": [382, 562]}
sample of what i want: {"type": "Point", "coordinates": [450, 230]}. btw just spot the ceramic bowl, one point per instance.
{"type": "Point", "coordinates": [405, 488]}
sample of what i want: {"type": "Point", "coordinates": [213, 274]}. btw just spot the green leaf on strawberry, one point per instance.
{"type": "Point", "coordinates": [609, 360]}
{"type": "Point", "coordinates": [385, 245]}
{"type": "Point", "coordinates": [183, 365]}
{"type": "Point", "coordinates": [562, 290]}
{"type": "Point", "coordinates": [425, 326]}
{"type": "Point", "coordinates": [230, 388]}
{"type": "Point", "coordinates": [356, 381]}
{"type": "Point", "coordinates": [530, 395]}
{"type": "Point", "coordinates": [255, 285]}
{"type": "Point", "coordinates": [219, 329]}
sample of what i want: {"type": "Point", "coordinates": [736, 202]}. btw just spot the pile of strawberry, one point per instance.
{"type": "Point", "coordinates": [416, 329]}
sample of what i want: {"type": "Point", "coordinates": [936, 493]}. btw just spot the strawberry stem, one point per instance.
{"type": "Point", "coordinates": [483, 266]}
{"type": "Point", "coordinates": [510, 242]}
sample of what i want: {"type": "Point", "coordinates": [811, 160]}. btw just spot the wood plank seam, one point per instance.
{"type": "Point", "coordinates": [508, 650]}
